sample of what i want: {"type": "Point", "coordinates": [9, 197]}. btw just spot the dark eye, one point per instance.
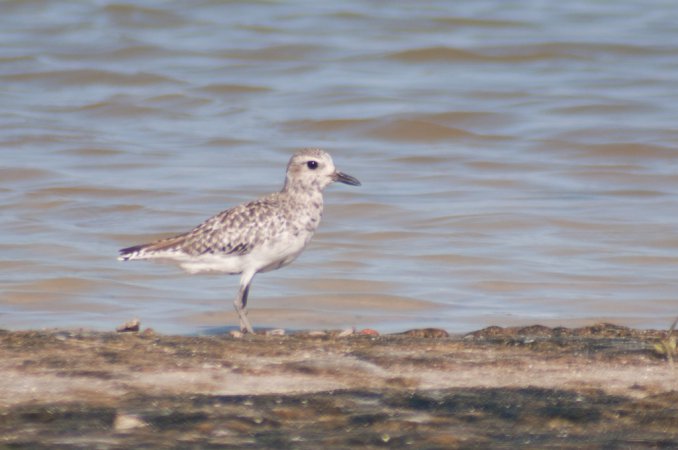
{"type": "Point", "coordinates": [312, 165]}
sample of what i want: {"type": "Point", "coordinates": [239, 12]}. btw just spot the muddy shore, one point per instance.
{"type": "Point", "coordinates": [602, 386]}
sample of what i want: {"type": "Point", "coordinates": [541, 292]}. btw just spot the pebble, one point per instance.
{"type": "Point", "coordinates": [317, 333]}
{"type": "Point", "coordinates": [275, 332]}
{"type": "Point", "coordinates": [426, 333]}
{"type": "Point", "coordinates": [347, 332]}
{"type": "Point", "coordinates": [129, 326]}
{"type": "Point", "coordinates": [369, 332]}
{"type": "Point", "coordinates": [126, 422]}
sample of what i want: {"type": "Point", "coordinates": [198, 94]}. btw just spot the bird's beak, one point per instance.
{"type": "Point", "coordinates": [346, 179]}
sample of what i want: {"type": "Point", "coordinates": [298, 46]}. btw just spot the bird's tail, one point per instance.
{"type": "Point", "coordinates": [157, 249]}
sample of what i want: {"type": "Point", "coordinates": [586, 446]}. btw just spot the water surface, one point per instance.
{"type": "Point", "coordinates": [518, 159]}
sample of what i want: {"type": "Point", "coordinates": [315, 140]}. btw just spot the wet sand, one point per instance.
{"type": "Point", "coordinates": [534, 387]}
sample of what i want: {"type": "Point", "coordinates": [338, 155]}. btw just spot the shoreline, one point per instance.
{"type": "Point", "coordinates": [74, 387]}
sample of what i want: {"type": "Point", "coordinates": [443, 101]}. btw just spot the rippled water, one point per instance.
{"type": "Point", "coordinates": [519, 159]}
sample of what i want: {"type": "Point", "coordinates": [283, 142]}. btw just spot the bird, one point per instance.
{"type": "Point", "coordinates": [254, 237]}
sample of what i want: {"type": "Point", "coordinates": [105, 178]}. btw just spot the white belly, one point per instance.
{"type": "Point", "coordinates": [267, 257]}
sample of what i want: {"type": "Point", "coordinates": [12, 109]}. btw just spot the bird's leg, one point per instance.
{"type": "Point", "coordinates": [240, 304]}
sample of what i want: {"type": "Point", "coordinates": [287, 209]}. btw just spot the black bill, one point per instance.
{"type": "Point", "coordinates": [346, 179]}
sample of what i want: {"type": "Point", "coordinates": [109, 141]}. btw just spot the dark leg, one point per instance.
{"type": "Point", "coordinates": [240, 303]}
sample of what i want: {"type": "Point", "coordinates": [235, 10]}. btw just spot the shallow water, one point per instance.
{"type": "Point", "coordinates": [518, 159]}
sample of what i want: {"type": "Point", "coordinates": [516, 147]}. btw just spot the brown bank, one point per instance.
{"type": "Point", "coordinates": [596, 387]}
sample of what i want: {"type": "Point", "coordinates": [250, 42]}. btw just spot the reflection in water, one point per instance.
{"type": "Point", "coordinates": [514, 170]}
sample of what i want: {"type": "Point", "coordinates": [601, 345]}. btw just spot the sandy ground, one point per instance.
{"type": "Point", "coordinates": [536, 387]}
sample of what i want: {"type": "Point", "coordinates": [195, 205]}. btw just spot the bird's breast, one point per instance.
{"type": "Point", "coordinates": [280, 252]}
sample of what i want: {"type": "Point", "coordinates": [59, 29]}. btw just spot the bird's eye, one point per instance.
{"type": "Point", "coordinates": [312, 165]}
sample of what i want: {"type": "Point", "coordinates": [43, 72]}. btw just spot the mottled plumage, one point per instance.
{"type": "Point", "coordinates": [258, 236]}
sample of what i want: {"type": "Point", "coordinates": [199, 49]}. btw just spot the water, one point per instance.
{"type": "Point", "coordinates": [518, 159]}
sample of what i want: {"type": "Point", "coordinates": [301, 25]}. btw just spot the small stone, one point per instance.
{"type": "Point", "coordinates": [276, 332]}
{"type": "Point", "coordinates": [126, 422]}
{"type": "Point", "coordinates": [130, 326]}
{"type": "Point", "coordinates": [427, 333]}
{"type": "Point", "coordinates": [346, 332]}
{"type": "Point", "coordinates": [369, 332]}
{"type": "Point", "coordinates": [236, 334]}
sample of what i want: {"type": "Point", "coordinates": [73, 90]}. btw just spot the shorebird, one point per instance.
{"type": "Point", "coordinates": [258, 236]}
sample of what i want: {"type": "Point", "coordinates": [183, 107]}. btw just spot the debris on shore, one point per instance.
{"type": "Point", "coordinates": [533, 387]}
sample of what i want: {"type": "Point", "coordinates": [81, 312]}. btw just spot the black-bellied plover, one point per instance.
{"type": "Point", "coordinates": [259, 236]}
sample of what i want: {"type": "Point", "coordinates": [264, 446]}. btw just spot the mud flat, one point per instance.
{"type": "Point", "coordinates": [603, 386]}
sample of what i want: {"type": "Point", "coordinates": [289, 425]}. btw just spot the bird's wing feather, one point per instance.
{"type": "Point", "coordinates": [235, 231]}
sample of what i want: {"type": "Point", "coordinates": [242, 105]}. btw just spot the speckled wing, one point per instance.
{"type": "Point", "coordinates": [235, 231]}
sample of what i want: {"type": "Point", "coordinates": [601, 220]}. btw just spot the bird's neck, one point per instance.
{"type": "Point", "coordinates": [309, 196]}
{"type": "Point", "coordinates": [302, 189]}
